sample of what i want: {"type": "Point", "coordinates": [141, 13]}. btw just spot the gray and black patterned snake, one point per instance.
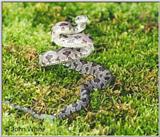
{"type": "Point", "coordinates": [75, 45]}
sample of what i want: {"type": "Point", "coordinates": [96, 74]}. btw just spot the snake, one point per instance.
{"type": "Point", "coordinates": [75, 45]}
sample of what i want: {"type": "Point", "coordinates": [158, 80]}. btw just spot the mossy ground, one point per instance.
{"type": "Point", "coordinates": [126, 41]}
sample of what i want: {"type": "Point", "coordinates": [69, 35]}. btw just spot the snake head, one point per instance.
{"type": "Point", "coordinates": [48, 58]}
{"type": "Point", "coordinates": [81, 19]}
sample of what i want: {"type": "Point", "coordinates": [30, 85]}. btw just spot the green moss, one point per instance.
{"type": "Point", "coordinates": [126, 41]}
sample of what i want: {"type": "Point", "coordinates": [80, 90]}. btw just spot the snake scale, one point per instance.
{"type": "Point", "coordinates": [75, 45]}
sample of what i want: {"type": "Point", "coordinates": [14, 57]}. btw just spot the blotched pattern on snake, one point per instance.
{"type": "Point", "coordinates": [75, 45]}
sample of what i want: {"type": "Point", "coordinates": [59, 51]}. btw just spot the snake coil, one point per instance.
{"type": "Point", "coordinates": [75, 45]}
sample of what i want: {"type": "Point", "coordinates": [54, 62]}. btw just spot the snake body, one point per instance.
{"type": "Point", "coordinates": [75, 45]}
